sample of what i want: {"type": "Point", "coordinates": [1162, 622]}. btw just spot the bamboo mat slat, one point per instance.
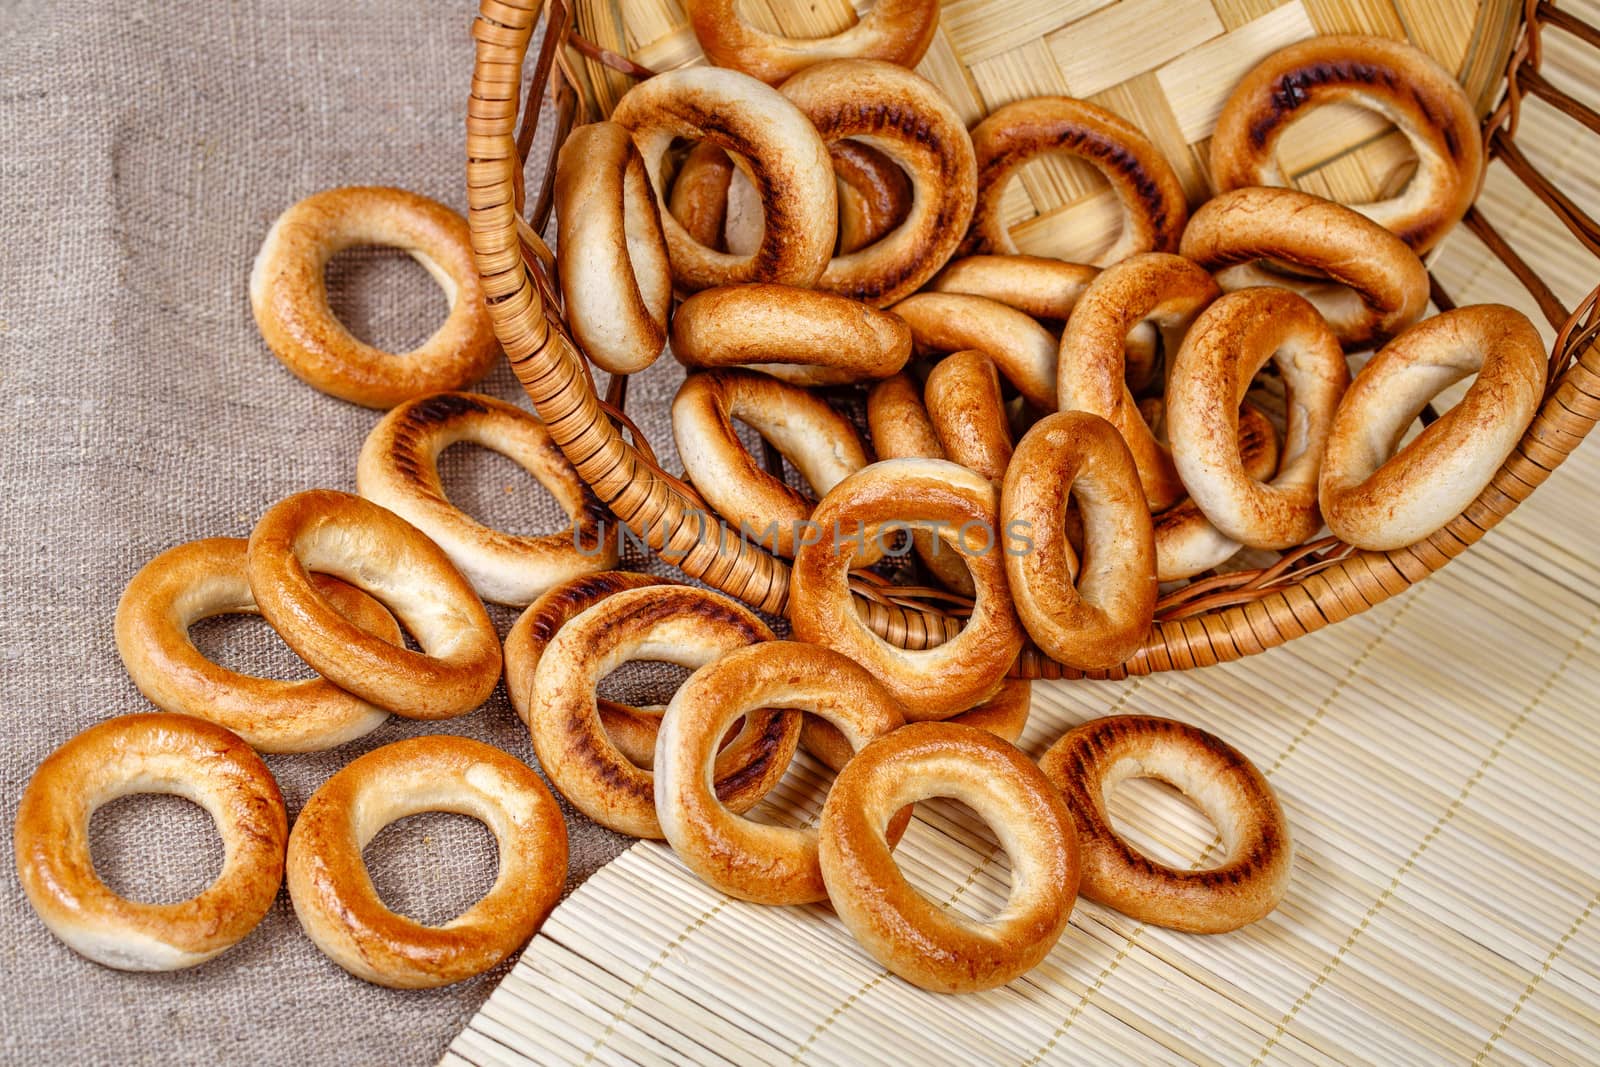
{"type": "Point", "coordinates": [1436, 755]}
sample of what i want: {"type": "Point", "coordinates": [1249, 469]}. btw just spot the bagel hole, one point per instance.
{"type": "Point", "coordinates": [951, 882]}
{"type": "Point", "coordinates": [1162, 823]}
{"type": "Point", "coordinates": [821, 20]}
{"type": "Point", "coordinates": [643, 683]}
{"type": "Point", "coordinates": [155, 848]}
{"type": "Point", "coordinates": [384, 297]}
{"type": "Point", "coordinates": [796, 801]}
{"type": "Point", "coordinates": [1057, 205]}
{"type": "Point", "coordinates": [247, 644]}
{"type": "Point", "coordinates": [497, 492]}
{"type": "Point", "coordinates": [432, 866]}
{"type": "Point", "coordinates": [1346, 152]}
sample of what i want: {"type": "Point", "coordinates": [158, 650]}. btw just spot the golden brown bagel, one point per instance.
{"type": "Point", "coordinates": [1377, 286]}
{"type": "Point", "coordinates": [150, 753]}
{"type": "Point", "coordinates": [968, 413]}
{"type": "Point", "coordinates": [1395, 79]}
{"type": "Point", "coordinates": [750, 860]}
{"type": "Point", "coordinates": [1165, 290]}
{"type": "Point", "coordinates": [671, 624]}
{"type": "Point", "coordinates": [898, 31]}
{"type": "Point", "coordinates": [1098, 614]}
{"type": "Point", "coordinates": [802, 336]}
{"type": "Point", "coordinates": [333, 894]}
{"type": "Point", "coordinates": [874, 194]}
{"type": "Point", "coordinates": [1230, 341]}
{"type": "Point", "coordinates": [932, 683]}
{"type": "Point", "coordinates": [1005, 715]}
{"type": "Point", "coordinates": [399, 469]}
{"type": "Point", "coordinates": [1186, 542]}
{"type": "Point", "coordinates": [376, 550]}
{"type": "Point", "coordinates": [1153, 205]}
{"type": "Point", "coordinates": [206, 578]}
{"type": "Point", "coordinates": [615, 278]}
{"type": "Point", "coordinates": [1090, 761]}
{"type": "Point", "coordinates": [788, 162]}
{"type": "Point", "coordinates": [1022, 349]}
{"type": "Point", "coordinates": [290, 297]}
{"type": "Point", "coordinates": [1038, 287]}
{"type": "Point", "coordinates": [910, 121]}
{"type": "Point", "coordinates": [1378, 496]}
{"type": "Point", "coordinates": [821, 443]}
{"type": "Point", "coordinates": [899, 927]}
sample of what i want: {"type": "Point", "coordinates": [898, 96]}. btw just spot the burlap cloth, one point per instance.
{"type": "Point", "coordinates": [144, 150]}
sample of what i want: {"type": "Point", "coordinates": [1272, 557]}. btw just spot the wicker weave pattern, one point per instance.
{"type": "Point", "coordinates": [1167, 67]}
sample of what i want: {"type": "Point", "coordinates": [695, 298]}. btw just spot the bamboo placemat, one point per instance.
{"type": "Point", "coordinates": [1436, 757]}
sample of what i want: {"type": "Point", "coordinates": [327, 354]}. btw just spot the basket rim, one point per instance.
{"type": "Point", "coordinates": [1214, 620]}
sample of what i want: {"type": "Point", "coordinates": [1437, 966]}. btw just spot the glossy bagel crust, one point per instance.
{"type": "Point", "coordinates": [399, 469]}
{"type": "Point", "coordinates": [612, 257]}
{"type": "Point", "coordinates": [1038, 287]}
{"type": "Point", "coordinates": [1153, 205]}
{"type": "Point", "coordinates": [379, 552]}
{"type": "Point", "coordinates": [1186, 542]}
{"type": "Point", "coordinates": [1022, 349]}
{"type": "Point", "coordinates": [750, 860]}
{"type": "Point", "coordinates": [1089, 761]}
{"type": "Point", "coordinates": [801, 336]}
{"type": "Point", "coordinates": [1379, 285]}
{"type": "Point", "coordinates": [909, 934]}
{"type": "Point", "coordinates": [907, 119]}
{"type": "Point", "coordinates": [932, 683]}
{"type": "Point", "coordinates": [1096, 614]}
{"type": "Point", "coordinates": [1395, 79]}
{"type": "Point", "coordinates": [333, 894]}
{"type": "Point", "coordinates": [671, 624]}
{"type": "Point", "coordinates": [968, 412]}
{"type": "Point", "coordinates": [1005, 715]}
{"type": "Point", "coordinates": [150, 753]}
{"type": "Point", "coordinates": [289, 296]}
{"type": "Point", "coordinates": [787, 159]}
{"type": "Point", "coordinates": [1230, 341]}
{"type": "Point", "coordinates": [1165, 290]}
{"type": "Point", "coordinates": [206, 578]}
{"type": "Point", "coordinates": [1378, 496]}
{"type": "Point", "coordinates": [896, 31]}
{"type": "Point", "coordinates": [820, 442]}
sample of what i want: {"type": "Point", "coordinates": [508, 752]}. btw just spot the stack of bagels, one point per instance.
{"type": "Point", "coordinates": [822, 242]}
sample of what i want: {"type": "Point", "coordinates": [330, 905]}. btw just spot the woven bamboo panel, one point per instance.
{"type": "Point", "coordinates": [1166, 65]}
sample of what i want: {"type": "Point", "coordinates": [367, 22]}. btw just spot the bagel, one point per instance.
{"type": "Point", "coordinates": [1378, 496]}
{"type": "Point", "coordinates": [898, 31]}
{"type": "Point", "coordinates": [788, 162]}
{"type": "Point", "coordinates": [1186, 542]}
{"type": "Point", "coordinates": [202, 579]}
{"type": "Point", "coordinates": [289, 296]}
{"type": "Point", "coordinates": [1098, 614]}
{"type": "Point", "coordinates": [1038, 287]}
{"type": "Point", "coordinates": [332, 892]}
{"type": "Point", "coordinates": [1377, 286]}
{"type": "Point", "coordinates": [1004, 715]}
{"type": "Point", "coordinates": [907, 119]}
{"type": "Point", "coordinates": [909, 934]}
{"type": "Point", "coordinates": [150, 753]}
{"type": "Point", "coordinates": [376, 550]}
{"type": "Point", "coordinates": [1164, 290]}
{"type": "Point", "coordinates": [672, 624]}
{"type": "Point", "coordinates": [1400, 82]}
{"type": "Point", "coordinates": [399, 469]}
{"type": "Point", "coordinates": [1023, 350]}
{"type": "Point", "coordinates": [800, 336]}
{"type": "Point", "coordinates": [1090, 761]}
{"type": "Point", "coordinates": [968, 413]}
{"type": "Point", "coordinates": [615, 279]}
{"type": "Point", "coordinates": [753, 861]}
{"type": "Point", "coordinates": [1153, 204]}
{"type": "Point", "coordinates": [821, 443]}
{"type": "Point", "coordinates": [1230, 341]}
{"type": "Point", "coordinates": [874, 194]}
{"type": "Point", "coordinates": [936, 682]}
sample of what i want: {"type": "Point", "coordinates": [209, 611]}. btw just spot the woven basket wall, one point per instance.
{"type": "Point", "coordinates": [1167, 65]}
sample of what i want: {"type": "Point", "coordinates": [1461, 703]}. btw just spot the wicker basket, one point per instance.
{"type": "Point", "coordinates": [1165, 64]}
